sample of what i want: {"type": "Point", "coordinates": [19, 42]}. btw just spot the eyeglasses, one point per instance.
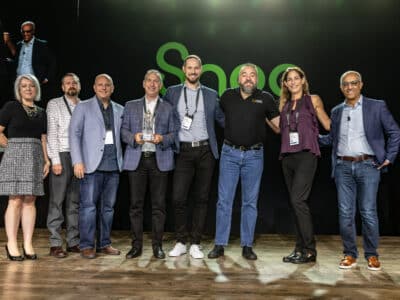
{"type": "Point", "coordinates": [26, 31]}
{"type": "Point", "coordinates": [350, 83]}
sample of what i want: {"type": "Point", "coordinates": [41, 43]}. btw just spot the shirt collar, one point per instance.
{"type": "Point", "coordinates": [358, 103]}
{"type": "Point", "coordinates": [199, 86]}
{"type": "Point", "coordinates": [30, 43]}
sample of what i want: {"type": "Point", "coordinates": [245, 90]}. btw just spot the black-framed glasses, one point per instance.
{"type": "Point", "coordinates": [27, 31]}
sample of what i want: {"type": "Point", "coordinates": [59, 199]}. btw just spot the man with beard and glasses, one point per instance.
{"type": "Point", "coordinates": [246, 109]}
{"type": "Point", "coordinates": [196, 109]}
{"type": "Point", "coordinates": [64, 186]}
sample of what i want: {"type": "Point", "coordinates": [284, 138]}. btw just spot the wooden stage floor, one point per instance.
{"type": "Point", "coordinates": [231, 277]}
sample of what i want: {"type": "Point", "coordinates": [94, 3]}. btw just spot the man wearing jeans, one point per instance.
{"type": "Point", "coordinates": [246, 110]}
{"type": "Point", "coordinates": [359, 128]}
{"type": "Point", "coordinates": [96, 153]}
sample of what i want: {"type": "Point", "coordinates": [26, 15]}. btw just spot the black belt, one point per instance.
{"type": "Point", "coordinates": [148, 154]}
{"type": "Point", "coordinates": [356, 158]}
{"type": "Point", "coordinates": [257, 146]}
{"type": "Point", "coordinates": [189, 145]}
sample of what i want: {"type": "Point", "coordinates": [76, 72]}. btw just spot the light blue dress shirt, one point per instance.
{"type": "Point", "coordinates": [198, 129]}
{"type": "Point", "coordinates": [25, 58]}
{"type": "Point", "coordinates": [352, 139]}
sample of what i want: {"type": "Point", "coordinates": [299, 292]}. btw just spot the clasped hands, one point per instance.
{"type": "Point", "coordinates": [157, 138]}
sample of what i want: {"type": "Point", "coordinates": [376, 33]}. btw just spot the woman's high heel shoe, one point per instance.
{"type": "Point", "coordinates": [28, 256]}
{"type": "Point", "coordinates": [14, 258]}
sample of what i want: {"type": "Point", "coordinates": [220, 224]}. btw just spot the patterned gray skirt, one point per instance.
{"type": "Point", "coordinates": [21, 169]}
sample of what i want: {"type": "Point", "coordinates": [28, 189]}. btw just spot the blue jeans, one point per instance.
{"type": "Point", "coordinates": [98, 191]}
{"type": "Point", "coordinates": [248, 165]}
{"type": "Point", "coordinates": [358, 181]}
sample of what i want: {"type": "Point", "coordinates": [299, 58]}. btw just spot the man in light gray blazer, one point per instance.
{"type": "Point", "coordinates": [96, 153]}
{"type": "Point", "coordinates": [149, 130]}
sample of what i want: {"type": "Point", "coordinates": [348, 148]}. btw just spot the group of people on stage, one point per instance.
{"type": "Point", "coordinates": [79, 143]}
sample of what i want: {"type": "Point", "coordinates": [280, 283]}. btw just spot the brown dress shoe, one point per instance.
{"type": "Point", "coordinates": [348, 262]}
{"type": "Point", "coordinates": [74, 249]}
{"type": "Point", "coordinates": [109, 250]}
{"type": "Point", "coordinates": [373, 263]}
{"type": "Point", "coordinates": [58, 252]}
{"type": "Point", "coordinates": [88, 253]}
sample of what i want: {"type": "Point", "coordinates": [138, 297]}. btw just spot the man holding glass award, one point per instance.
{"type": "Point", "coordinates": [148, 129]}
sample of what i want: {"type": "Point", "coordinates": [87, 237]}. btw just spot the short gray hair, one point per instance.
{"type": "Point", "coordinates": [106, 76]}
{"type": "Point", "coordinates": [29, 23]}
{"type": "Point", "coordinates": [350, 72]}
{"type": "Point", "coordinates": [251, 65]}
{"type": "Point", "coordinates": [32, 79]}
{"type": "Point", "coordinates": [153, 71]}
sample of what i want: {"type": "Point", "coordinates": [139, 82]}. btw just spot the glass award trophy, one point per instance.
{"type": "Point", "coordinates": [148, 127]}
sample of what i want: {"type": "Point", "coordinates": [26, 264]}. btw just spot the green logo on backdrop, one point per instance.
{"type": "Point", "coordinates": [217, 70]}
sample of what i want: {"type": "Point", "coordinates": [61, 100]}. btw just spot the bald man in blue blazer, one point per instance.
{"type": "Point", "coordinates": [365, 139]}
{"type": "Point", "coordinates": [96, 153]}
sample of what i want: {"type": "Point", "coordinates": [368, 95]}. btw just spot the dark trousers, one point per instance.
{"type": "Point", "coordinates": [63, 187]}
{"type": "Point", "coordinates": [147, 174]}
{"type": "Point", "coordinates": [194, 169]}
{"type": "Point", "coordinates": [299, 170]}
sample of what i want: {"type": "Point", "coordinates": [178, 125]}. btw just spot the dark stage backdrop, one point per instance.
{"type": "Point", "coordinates": [325, 38]}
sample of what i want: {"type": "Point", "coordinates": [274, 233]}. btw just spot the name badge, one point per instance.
{"type": "Point", "coordinates": [293, 138]}
{"type": "Point", "coordinates": [109, 138]}
{"type": "Point", "coordinates": [186, 122]}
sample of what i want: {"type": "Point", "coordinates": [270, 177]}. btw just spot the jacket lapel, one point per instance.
{"type": "Point", "coordinates": [365, 109]}
{"type": "Point", "coordinates": [96, 110]}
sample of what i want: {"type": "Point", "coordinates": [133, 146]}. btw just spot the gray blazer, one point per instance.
{"type": "Point", "coordinates": [132, 123]}
{"type": "Point", "coordinates": [87, 133]}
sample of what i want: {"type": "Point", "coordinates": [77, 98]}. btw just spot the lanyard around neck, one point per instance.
{"type": "Point", "coordinates": [67, 105]}
{"type": "Point", "coordinates": [197, 102]}
{"type": "Point", "coordinates": [289, 111]}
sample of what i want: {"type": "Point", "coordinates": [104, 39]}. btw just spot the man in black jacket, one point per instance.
{"type": "Point", "coordinates": [34, 57]}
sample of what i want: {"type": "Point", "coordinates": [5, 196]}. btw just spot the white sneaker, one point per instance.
{"type": "Point", "coordinates": [195, 251]}
{"type": "Point", "coordinates": [179, 249]}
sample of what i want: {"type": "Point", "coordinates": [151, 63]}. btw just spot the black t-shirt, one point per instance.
{"type": "Point", "coordinates": [245, 118]}
{"type": "Point", "coordinates": [14, 117]}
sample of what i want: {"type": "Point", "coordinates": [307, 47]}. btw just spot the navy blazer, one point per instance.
{"type": "Point", "coordinates": [379, 125]}
{"type": "Point", "coordinates": [43, 60]}
{"type": "Point", "coordinates": [132, 123]}
{"type": "Point", "coordinates": [212, 111]}
{"type": "Point", "coordinates": [87, 133]}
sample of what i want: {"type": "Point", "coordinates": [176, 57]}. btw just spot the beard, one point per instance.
{"type": "Point", "coordinates": [247, 89]}
{"type": "Point", "coordinates": [72, 92]}
{"type": "Point", "coordinates": [192, 81]}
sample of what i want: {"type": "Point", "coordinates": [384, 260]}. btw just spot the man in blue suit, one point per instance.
{"type": "Point", "coordinates": [148, 130]}
{"type": "Point", "coordinates": [359, 129]}
{"type": "Point", "coordinates": [96, 153]}
{"type": "Point", "coordinates": [196, 109]}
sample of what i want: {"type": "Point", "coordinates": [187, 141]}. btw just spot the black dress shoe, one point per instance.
{"type": "Point", "coordinates": [216, 252]}
{"type": "Point", "coordinates": [14, 258]}
{"type": "Point", "coordinates": [305, 258]}
{"type": "Point", "coordinates": [248, 253]}
{"type": "Point", "coordinates": [158, 252]}
{"type": "Point", "coordinates": [134, 252]}
{"type": "Point", "coordinates": [29, 256]}
{"type": "Point", "coordinates": [294, 255]}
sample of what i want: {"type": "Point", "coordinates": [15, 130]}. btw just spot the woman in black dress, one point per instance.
{"type": "Point", "coordinates": [24, 165]}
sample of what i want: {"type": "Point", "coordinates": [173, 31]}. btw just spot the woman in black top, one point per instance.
{"type": "Point", "coordinates": [25, 163]}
